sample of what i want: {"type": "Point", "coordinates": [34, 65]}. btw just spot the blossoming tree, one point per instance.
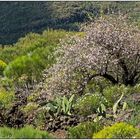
{"type": "Point", "coordinates": [109, 49]}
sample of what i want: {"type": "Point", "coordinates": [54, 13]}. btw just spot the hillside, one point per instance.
{"type": "Point", "coordinates": [80, 79]}
{"type": "Point", "coordinates": [19, 18]}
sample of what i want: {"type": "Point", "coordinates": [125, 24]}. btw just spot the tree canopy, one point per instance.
{"type": "Point", "coordinates": [110, 49]}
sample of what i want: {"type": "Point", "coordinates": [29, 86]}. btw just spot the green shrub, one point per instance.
{"type": "Point", "coordinates": [113, 93]}
{"type": "Point", "coordinates": [88, 104]}
{"type": "Point", "coordinates": [6, 98]}
{"type": "Point", "coordinates": [18, 67]}
{"type": "Point", "coordinates": [84, 130]}
{"type": "Point", "coordinates": [119, 130]}
{"type": "Point", "coordinates": [2, 67]}
{"type": "Point", "coordinates": [26, 132]}
{"type": "Point", "coordinates": [28, 68]}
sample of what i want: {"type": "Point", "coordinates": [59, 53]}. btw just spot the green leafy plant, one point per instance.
{"type": "Point", "coordinates": [84, 130]}
{"type": "Point", "coordinates": [64, 105]}
{"type": "Point", "coordinates": [118, 130]}
{"type": "Point", "coordinates": [89, 104]}
{"type": "Point", "coordinates": [101, 109]}
{"type": "Point", "coordinates": [67, 105]}
{"type": "Point", "coordinates": [61, 105]}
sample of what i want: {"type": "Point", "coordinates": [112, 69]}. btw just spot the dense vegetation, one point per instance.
{"type": "Point", "coordinates": [71, 84]}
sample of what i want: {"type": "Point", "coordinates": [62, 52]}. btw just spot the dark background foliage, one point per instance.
{"type": "Point", "coordinates": [19, 18]}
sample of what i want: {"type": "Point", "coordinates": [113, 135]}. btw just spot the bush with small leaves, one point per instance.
{"type": "Point", "coordinates": [84, 130]}
{"type": "Point", "coordinates": [118, 130]}
{"type": "Point", "coordinates": [89, 104]}
{"type": "Point", "coordinates": [113, 93]}
{"type": "Point", "coordinates": [28, 68]}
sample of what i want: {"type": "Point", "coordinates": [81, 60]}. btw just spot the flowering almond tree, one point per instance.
{"type": "Point", "coordinates": [109, 49]}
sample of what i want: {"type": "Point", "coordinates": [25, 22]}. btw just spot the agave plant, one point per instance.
{"type": "Point", "coordinates": [60, 105]}
{"type": "Point", "coordinates": [67, 105]}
